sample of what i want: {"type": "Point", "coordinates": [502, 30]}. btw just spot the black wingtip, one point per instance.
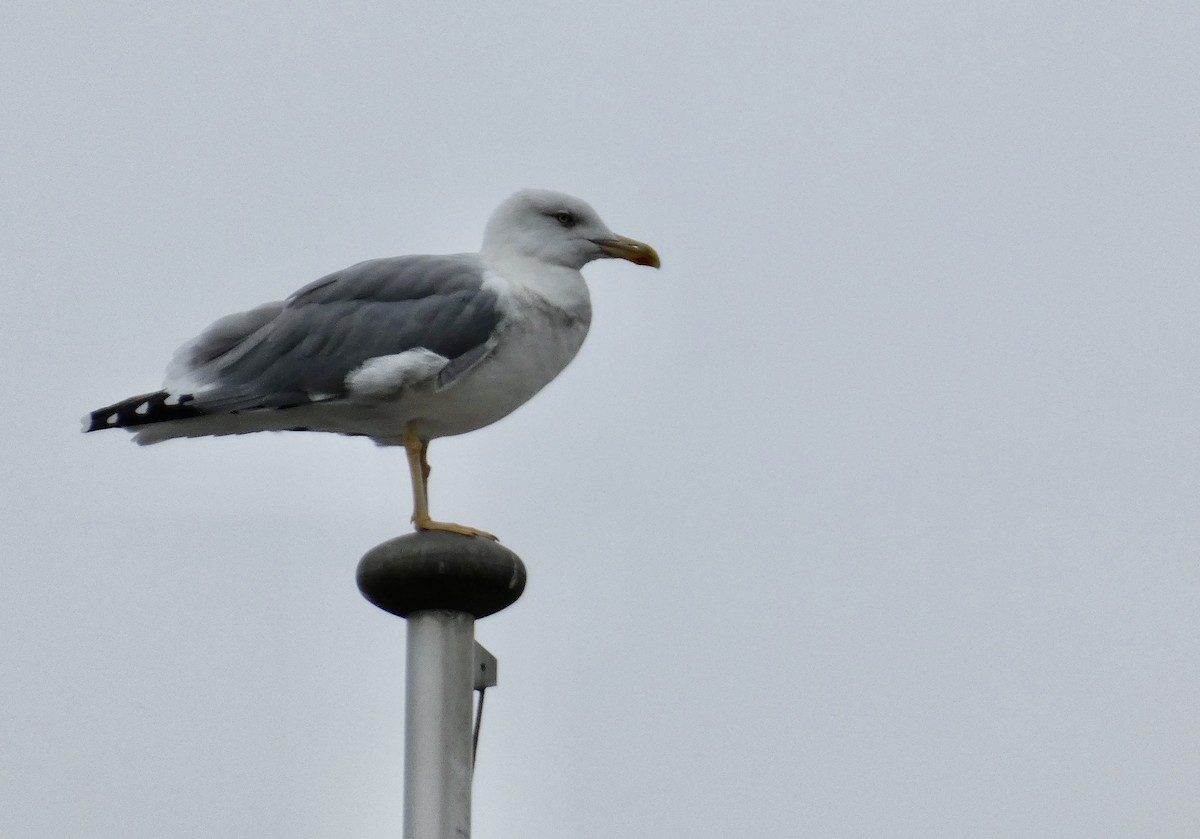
{"type": "Point", "coordinates": [146, 409]}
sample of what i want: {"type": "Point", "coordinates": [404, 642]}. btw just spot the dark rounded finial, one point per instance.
{"type": "Point", "coordinates": [439, 570]}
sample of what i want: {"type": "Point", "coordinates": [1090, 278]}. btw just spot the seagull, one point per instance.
{"type": "Point", "coordinates": [401, 350]}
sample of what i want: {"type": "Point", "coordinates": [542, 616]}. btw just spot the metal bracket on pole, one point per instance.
{"type": "Point", "coordinates": [485, 668]}
{"type": "Point", "coordinates": [441, 583]}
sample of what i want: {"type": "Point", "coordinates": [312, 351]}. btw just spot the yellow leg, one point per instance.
{"type": "Point", "coordinates": [418, 468]}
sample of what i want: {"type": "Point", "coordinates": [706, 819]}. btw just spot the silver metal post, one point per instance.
{"type": "Point", "coordinates": [437, 722]}
{"type": "Point", "coordinates": [441, 583]}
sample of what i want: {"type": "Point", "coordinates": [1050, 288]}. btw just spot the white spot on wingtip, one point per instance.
{"type": "Point", "coordinates": [142, 409]}
{"type": "Point", "coordinates": [172, 399]}
{"type": "Point", "coordinates": [111, 419]}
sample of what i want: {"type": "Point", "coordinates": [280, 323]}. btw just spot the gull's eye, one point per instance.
{"type": "Point", "coordinates": [565, 218]}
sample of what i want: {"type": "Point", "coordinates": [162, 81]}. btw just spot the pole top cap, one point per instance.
{"type": "Point", "coordinates": [437, 570]}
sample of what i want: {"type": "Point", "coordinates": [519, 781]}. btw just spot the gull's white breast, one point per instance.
{"type": "Point", "coordinates": [530, 352]}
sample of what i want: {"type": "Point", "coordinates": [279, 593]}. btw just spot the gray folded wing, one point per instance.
{"type": "Point", "coordinates": [302, 350]}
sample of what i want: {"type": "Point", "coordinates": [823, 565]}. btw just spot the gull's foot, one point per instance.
{"type": "Point", "coordinates": [451, 527]}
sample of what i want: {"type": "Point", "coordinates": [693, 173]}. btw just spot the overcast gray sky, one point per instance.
{"type": "Point", "coordinates": [873, 514]}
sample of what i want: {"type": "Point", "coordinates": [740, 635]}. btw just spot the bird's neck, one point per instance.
{"type": "Point", "coordinates": [560, 287]}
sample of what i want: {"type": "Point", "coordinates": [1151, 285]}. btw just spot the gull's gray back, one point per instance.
{"type": "Point", "coordinates": [329, 328]}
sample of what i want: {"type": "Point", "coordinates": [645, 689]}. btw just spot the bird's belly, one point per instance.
{"type": "Point", "coordinates": [528, 356]}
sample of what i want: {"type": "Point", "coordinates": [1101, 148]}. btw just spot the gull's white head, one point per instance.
{"type": "Point", "coordinates": [557, 229]}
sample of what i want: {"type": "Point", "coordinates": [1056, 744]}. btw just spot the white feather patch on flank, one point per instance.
{"type": "Point", "coordinates": [385, 376]}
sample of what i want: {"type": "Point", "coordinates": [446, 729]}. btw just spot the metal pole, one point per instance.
{"type": "Point", "coordinates": [437, 724]}
{"type": "Point", "coordinates": [441, 583]}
